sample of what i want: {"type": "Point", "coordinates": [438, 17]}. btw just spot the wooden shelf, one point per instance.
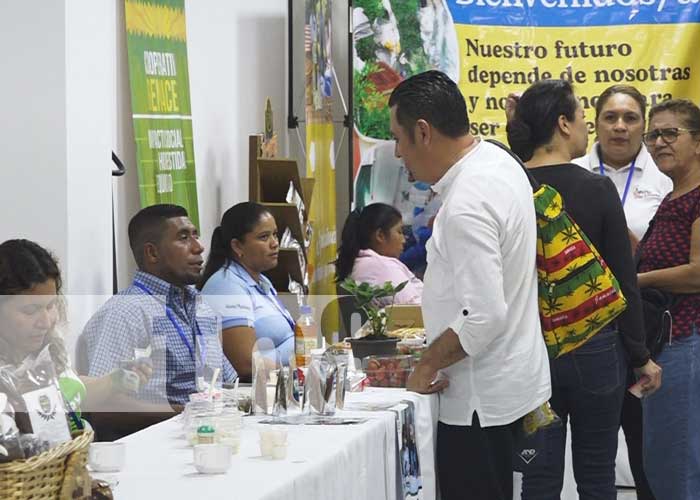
{"type": "Point", "coordinates": [307, 190]}
{"type": "Point", "coordinates": [288, 264]}
{"type": "Point", "coordinates": [269, 180]}
{"type": "Point", "coordinates": [275, 176]}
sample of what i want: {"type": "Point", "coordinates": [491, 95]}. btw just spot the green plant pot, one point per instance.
{"type": "Point", "coordinates": [369, 346]}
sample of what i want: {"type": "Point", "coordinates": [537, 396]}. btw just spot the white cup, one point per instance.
{"type": "Point", "coordinates": [107, 457]}
{"type": "Point", "coordinates": [212, 458]}
{"type": "Point", "coordinates": [273, 443]}
{"type": "Point", "coordinates": [279, 437]}
{"type": "Point", "coordinates": [279, 452]}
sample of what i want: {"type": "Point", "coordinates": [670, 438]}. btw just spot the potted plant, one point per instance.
{"type": "Point", "coordinates": [367, 299]}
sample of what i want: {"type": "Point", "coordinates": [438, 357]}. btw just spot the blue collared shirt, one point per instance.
{"type": "Point", "coordinates": [134, 319]}
{"type": "Point", "coordinates": [241, 301]}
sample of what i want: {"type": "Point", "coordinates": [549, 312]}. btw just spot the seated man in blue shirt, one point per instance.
{"type": "Point", "coordinates": [160, 315]}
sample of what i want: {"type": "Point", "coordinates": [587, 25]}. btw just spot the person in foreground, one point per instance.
{"type": "Point", "coordinates": [243, 247]}
{"type": "Point", "coordinates": [547, 130]}
{"type": "Point", "coordinates": [31, 315]}
{"type": "Point", "coordinates": [160, 314]}
{"type": "Point", "coordinates": [370, 247]}
{"type": "Point", "coordinates": [487, 355]}
{"type": "Point", "coordinates": [670, 261]}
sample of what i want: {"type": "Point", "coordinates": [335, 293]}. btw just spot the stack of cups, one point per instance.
{"type": "Point", "coordinates": [273, 443]}
{"type": "Point", "coordinates": [196, 414]}
{"type": "Point", "coordinates": [228, 428]}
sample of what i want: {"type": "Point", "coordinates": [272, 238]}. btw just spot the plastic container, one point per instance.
{"type": "Point", "coordinates": [305, 336]}
{"type": "Point", "coordinates": [228, 429]}
{"type": "Point", "coordinates": [414, 346]}
{"type": "Point", "coordinates": [206, 434]}
{"type": "Point", "coordinates": [388, 371]}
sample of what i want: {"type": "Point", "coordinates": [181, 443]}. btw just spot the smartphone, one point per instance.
{"type": "Point", "coordinates": [636, 389]}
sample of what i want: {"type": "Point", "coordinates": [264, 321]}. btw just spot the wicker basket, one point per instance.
{"type": "Point", "coordinates": [44, 476]}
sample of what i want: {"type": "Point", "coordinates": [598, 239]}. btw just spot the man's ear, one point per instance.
{"type": "Point", "coordinates": [423, 133]}
{"type": "Point", "coordinates": [150, 253]}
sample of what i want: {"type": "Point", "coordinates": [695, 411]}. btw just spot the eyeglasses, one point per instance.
{"type": "Point", "coordinates": [668, 135]}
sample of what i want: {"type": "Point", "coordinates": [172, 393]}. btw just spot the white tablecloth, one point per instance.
{"type": "Point", "coordinates": [426, 408]}
{"type": "Point", "coordinates": [340, 462]}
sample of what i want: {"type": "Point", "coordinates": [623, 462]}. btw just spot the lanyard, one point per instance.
{"type": "Point", "coordinates": [272, 297]}
{"type": "Point", "coordinates": [283, 310]}
{"type": "Point", "coordinates": [629, 176]}
{"type": "Point", "coordinates": [171, 316]}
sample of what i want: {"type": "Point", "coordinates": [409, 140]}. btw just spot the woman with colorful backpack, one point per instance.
{"type": "Point", "coordinates": [547, 130]}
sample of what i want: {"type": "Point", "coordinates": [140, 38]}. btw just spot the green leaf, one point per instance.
{"type": "Point", "coordinates": [365, 296]}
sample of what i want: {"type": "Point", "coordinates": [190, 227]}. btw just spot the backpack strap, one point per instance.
{"type": "Point", "coordinates": [533, 182]}
{"type": "Point", "coordinates": [638, 252]}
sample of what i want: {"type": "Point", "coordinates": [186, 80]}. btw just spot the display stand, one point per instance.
{"type": "Point", "coordinates": [268, 184]}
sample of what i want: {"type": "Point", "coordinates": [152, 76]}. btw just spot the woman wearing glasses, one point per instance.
{"type": "Point", "coordinates": [670, 261]}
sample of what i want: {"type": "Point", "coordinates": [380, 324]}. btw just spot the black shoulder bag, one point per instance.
{"type": "Point", "coordinates": [656, 307]}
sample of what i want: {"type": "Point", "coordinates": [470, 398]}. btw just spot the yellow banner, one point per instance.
{"type": "Point", "coordinates": [320, 158]}
{"type": "Point", "coordinates": [320, 152]}
{"type": "Point", "coordinates": [494, 47]}
{"type": "Point", "coordinates": [496, 60]}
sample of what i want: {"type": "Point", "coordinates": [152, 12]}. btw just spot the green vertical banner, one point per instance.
{"type": "Point", "coordinates": [156, 39]}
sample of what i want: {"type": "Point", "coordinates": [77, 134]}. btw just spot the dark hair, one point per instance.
{"type": "Point", "coordinates": [23, 265]}
{"type": "Point", "coordinates": [148, 225]}
{"type": "Point", "coordinates": [685, 107]}
{"type": "Point", "coordinates": [236, 223]}
{"type": "Point", "coordinates": [621, 89]}
{"type": "Point", "coordinates": [537, 114]}
{"type": "Point", "coordinates": [433, 97]}
{"type": "Point", "coordinates": [357, 233]}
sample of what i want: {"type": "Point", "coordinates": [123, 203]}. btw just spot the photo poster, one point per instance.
{"type": "Point", "coordinates": [321, 154]}
{"type": "Point", "coordinates": [409, 481]}
{"type": "Point", "coordinates": [156, 40]}
{"type": "Point", "coordinates": [494, 47]}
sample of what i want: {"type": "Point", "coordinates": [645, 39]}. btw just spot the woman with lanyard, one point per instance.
{"type": "Point", "coordinates": [620, 155]}
{"type": "Point", "coordinates": [243, 247]}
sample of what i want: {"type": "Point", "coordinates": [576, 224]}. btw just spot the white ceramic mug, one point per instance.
{"type": "Point", "coordinates": [212, 458]}
{"type": "Point", "coordinates": [107, 457]}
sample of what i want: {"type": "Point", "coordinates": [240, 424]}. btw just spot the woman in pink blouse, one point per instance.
{"type": "Point", "coordinates": [372, 241]}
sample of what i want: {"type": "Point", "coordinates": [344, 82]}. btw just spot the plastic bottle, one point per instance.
{"type": "Point", "coordinates": [305, 336]}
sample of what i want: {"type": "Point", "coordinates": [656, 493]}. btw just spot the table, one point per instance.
{"type": "Point", "coordinates": [340, 462]}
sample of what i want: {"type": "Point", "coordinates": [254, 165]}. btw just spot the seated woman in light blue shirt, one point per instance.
{"type": "Point", "coordinates": [243, 247]}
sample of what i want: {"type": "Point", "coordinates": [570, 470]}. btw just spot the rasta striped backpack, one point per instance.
{"type": "Point", "coordinates": [577, 292]}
